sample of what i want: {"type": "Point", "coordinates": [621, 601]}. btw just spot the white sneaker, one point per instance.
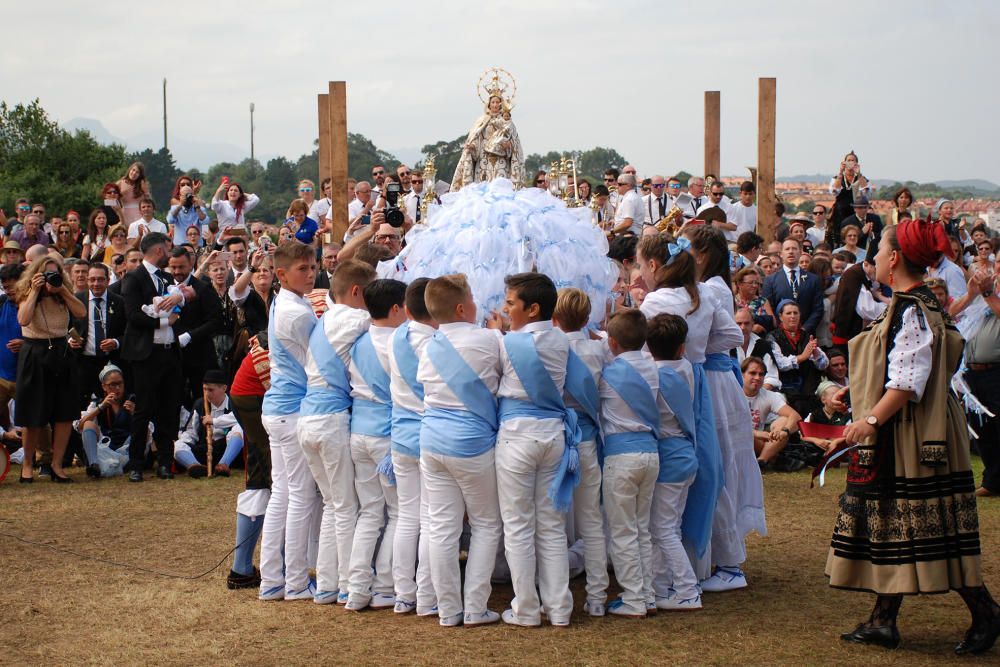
{"type": "Point", "coordinates": [452, 621]}
{"type": "Point", "coordinates": [677, 604]}
{"type": "Point", "coordinates": [325, 597]}
{"type": "Point", "coordinates": [404, 607]}
{"type": "Point", "coordinates": [724, 579]}
{"type": "Point", "coordinates": [482, 618]}
{"type": "Point", "coordinates": [357, 602]}
{"type": "Point", "coordinates": [509, 618]}
{"type": "Point", "coordinates": [307, 593]}
{"type": "Point", "coordinates": [594, 608]}
{"type": "Point", "coordinates": [427, 611]}
{"type": "Point", "coordinates": [618, 608]}
{"type": "Point", "coordinates": [382, 601]}
{"type": "Point", "coordinates": [343, 597]}
{"type": "Point", "coordinates": [272, 593]}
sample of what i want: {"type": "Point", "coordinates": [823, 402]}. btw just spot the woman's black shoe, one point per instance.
{"type": "Point", "coordinates": [980, 640]}
{"type": "Point", "coordinates": [886, 636]}
{"type": "Point", "coordinates": [94, 471]}
{"type": "Point", "coordinates": [26, 480]}
{"type": "Point", "coordinates": [61, 480]}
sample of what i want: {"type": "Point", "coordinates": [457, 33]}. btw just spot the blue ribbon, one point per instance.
{"type": "Point", "coordinates": [288, 386]}
{"type": "Point", "coordinates": [722, 362]}
{"type": "Point", "coordinates": [336, 396]}
{"type": "Point", "coordinates": [678, 460]}
{"type": "Point", "coordinates": [696, 523]}
{"type": "Point", "coordinates": [682, 245]}
{"type": "Point", "coordinates": [406, 359]}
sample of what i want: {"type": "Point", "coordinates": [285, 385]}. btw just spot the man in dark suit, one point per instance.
{"type": "Point", "coordinates": [325, 275]}
{"type": "Point", "coordinates": [133, 258]}
{"type": "Point", "coordinates": [150, 345]}
{"type": "Point", "coordinates": [200, 319]}
{"type": "Point", "coordinates": [869, 223]}
{"type": "Point", "coordinates": [791, 282]}
{"type": "Point", "coordinates": [100, 332]}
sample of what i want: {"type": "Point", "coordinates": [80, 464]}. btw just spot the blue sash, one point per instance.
{"type": "Point", "coordinates": [406, 431]}
{"type": "Point", "coordinates": [406, 359]}
{"type": "Point", "coordinates": [581, 386]}
{"type": "Point", "coordinates": [546, 397]}
{"type": "Point", "coordinates": [638, 395]}
{"type": "Point", "coordinates": [677, 456]}
{"type": "Point", "coordinates": [696, 523]}
{"type": "Point", "coordinates": [288, 385]}
{"type": "Point", "coordinates": [465, 432]}
{"type": "Point", "coordinates": [722, 362]}
{"type": "Point", "coordinates": [336, 396]}
{"type": "Point", "coordinates": [371, 417]}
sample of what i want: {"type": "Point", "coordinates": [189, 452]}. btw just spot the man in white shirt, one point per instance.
{"type": "Point", "coordinates": [416, 193]}
{"type": "Point", "coordinates": [817, 233]}
{"type": "Point", "coordinates": [953, 276]}
{"type": "Point", "coordinates": [696, 188]}
{"type": "Point", "coordinates": [360, 207]}
{"type": "Point", "coordinates": [717, 197]}
{"type": "Point", "coordinates": [629, 213]}
{"type": "Point", "coordinates": [656, 203]}
{"type": "Point", "coordinates": [147, 223]}
{"type": "Point", "coordinates": [743, 213]}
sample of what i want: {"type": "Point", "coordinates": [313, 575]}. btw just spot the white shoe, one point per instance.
{"type": "Point", "coordinates": [382, 601]}
{"type": "Point", "coordinates": [342, 597]}
{"type": "Point", "coordinates": [404, 607]}
{"type": "Point", "coordinates": [452, 621]}
{"type": "Point", "coordinates": [325, 597]}
{"type": "Point", "coordinates": [510, 619]}
{"type": "Point", "coordinates": [594, 608]}
{"type": "Point", "coordinates": [427, 611]}
{"type": "Point", "coordinates": [677, 604]}
{"type": "Point", "coordinates": [272, 593]}
{"type": "Point", "coordinates": [357, 602]}
{"type": "Point", "coordinates": [724, 579]}
{"type": "Point", "coordinates": [307, 593]}
{"type": "Point", "coordinates": [618, 608]}
{"type": "Point", "coordinates": [482, 618]}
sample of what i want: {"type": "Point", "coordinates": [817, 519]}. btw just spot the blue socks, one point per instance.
{"type": "Point", "coordinates": [185, 458]}
{"type": "Point", "coordinates": [89, 437]}
{"type": "Point", "coordinates": [247, 533]}
{"type": "Point", "coordinates": [234, 445]}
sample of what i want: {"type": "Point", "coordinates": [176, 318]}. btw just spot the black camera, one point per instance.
{"type": "Point", "coordinates": [189, 201]}
{"type": "Point", "coordinates": [393, 215]}
{"type": "Point", "coordinates": [54, 278]}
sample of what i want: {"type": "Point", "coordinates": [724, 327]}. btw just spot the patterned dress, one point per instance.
{"type": "Point", "coordinates": [908, 522]}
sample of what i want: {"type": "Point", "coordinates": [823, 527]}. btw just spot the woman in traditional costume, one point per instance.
{"type": "Point", "coordinates": [908, 522]}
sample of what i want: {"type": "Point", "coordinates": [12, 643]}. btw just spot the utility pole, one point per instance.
{"type": "Point", "coordinates": [164, 112]}
{"type": "Point", "coordinates": [251, 132]}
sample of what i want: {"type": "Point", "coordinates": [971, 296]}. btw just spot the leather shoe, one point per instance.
{"type": "Point", "coordinates": [163, 472]}
{"type": "Point", "coordinates": [135, 476]}
{"type": "Point", "coordinates": [979, 640]}
{"type": "Point", "coordinates": [983, 492]}
{"type": "Point", "coordinates": [886, 636]}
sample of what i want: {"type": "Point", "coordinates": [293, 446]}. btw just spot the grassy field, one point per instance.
{"type": "Point", "coordinates": [59, 608]}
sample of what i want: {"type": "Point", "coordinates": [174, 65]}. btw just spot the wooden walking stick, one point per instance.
{"type": "Point", "coordinates": [209, 436]}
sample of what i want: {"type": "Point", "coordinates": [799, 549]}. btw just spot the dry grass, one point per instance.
{"type": "Point", "coordinates": [61, 609]}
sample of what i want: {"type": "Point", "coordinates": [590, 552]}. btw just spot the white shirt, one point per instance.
{"type": "Point", "coordinates": [221, 421]}
{"type": "Point", "coordinates": [909, 363]}
{"type": "Point", "coordinates": [480, 348]}
{"type": "Point", "coordinates": [164, 334]}
{"type": "Point", "coordinates": [772, 378]}
{"type": "Point", "coordinates": [867, 307]}
{"type": "Point", "coordinates": [818, 357]}
{"type": "Point", "coordinates": [816, 234]}
{"type": "Point", "coordinates": [683, 368]}
{"type": "Point", "coordinates": [744, 217]}
{"type": "Point", "coordinates": [319, 209]}
{"type": "Point", "coordinates": [153, 225]}
{"type": "Point", "coordinates": [617, 415]}
{"type": "Point", "coordinates": [630, 206]}
{"type": "Point", "coordinates": [709, 321]}
{"type": "Point", "coordinates": [553, 350]}
{"type": "Point", "coordinates": [953, 277]}
{"type": "Point", "coordinates": [381, 339]}
{"type": "Point", "coordinates": [763, 405]}
{"type": "Point", "coordinates": [293, 321]}
{"type": "Point", "coordinates": [226, 214]}
{"type": "Point", "coordinates": [402, 395]}
{"type": "Point", "coordinates": [90, 347]}
{"type": "Point", "coordinates": [651, 206]}
{"type": "Point", "coordinates": [412, 202]}
{"type": "Point", "coordinates": [342, 326]}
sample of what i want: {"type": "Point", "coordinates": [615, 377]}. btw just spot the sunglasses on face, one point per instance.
{"type": "Point", "coordinates": [609, 180]}
{"type": "Point", "coordinates": [257, 232]}
{"type": "Point", "coordinates": [716, 194]}
{"type": "Point", "coordinates": [23, 208]}
{"type": "Point", "coordinates": [64, 232]}
{"type": "Point", "coordinates": [405, 173]}
{"type": "Point", "coordinates": [377, 173]}
{"type": "Point", "coordinates": [819, 212]}
{"type": "Point", "coordinates": [658, 185]}
{"type": "Point", "coordinates": [305, 189]}
{"type": "Point", "coordinates": [539, 182]}
{"type": "Point", "coordinates": [674, 186]}
{"type": "Point", "coordinates": [36, 212]}
{"type": "Point", "coordinates": [416, 180]}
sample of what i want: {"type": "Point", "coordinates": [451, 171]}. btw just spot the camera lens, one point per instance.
{"type": "Point", "coordinates": [53, 278]}
{"type": "Point", "coordinates": [394, 216]}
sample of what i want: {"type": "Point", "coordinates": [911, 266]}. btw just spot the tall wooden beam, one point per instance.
{"type": "Point", "coordinates": [712, 133]}
{"type": "Point", "coordinates": [338, 156]}
{"type": "Point", "coordinates": [323, 111]}
{"type": "Point", "coordinates": [767, 219]}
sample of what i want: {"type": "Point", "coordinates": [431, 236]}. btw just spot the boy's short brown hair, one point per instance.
{"type": "Point", "coordinates": [288, 253]}
{"type": "Point", "coordinates": [443, 294]}
{"type": "Point", "coordinates": [572, 309]}
{"type": "Point", "coordinates": [348, 273]}
{"type": "Point", "coordinates": [628, 328]}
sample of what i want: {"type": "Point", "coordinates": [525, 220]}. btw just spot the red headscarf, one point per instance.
{"type": "Point", "coordinates": [922, 241]}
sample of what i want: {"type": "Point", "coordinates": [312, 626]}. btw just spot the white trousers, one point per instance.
{"type": "Point", "coordinates": [628, 495]}
{"type": "Point", "coordinates": [289, 510]}
{"type": "Point", "coordinates": [588, 522]}
{"type": "Point", "coordinates": [411, 564]}
{"type": "Point", "coordinates": [326, 444]}
{"type": "Point", "coordinates": [671, 565]}
{"type": "Point", "coordinates": [534, 531]}
{"type": "Point", "coordinates": [375, 499]}
{"type": "Point", "coordinates": [457, 486]}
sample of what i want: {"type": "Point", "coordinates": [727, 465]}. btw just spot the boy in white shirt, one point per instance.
{"type": "Point", "coordinates": [324, 428]}
{"type": "Point", "coordinates": [371, 423]}
{"type": "Point", "coordinates": [571, 316]}
{"type": "Point", "coordinates": [675, 584]}
{"type": "Point", "coordinates": [287, 519]}
{"type": "Point", "coordinates": [630, 417]}
{"type": "Point", "coordinates": [411, 567]}
{"type": "Point", "coordinates": [460, 373]}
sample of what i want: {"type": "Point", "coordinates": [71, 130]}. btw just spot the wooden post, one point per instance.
{"type": "Point", "coordinates": [338, 157]}
{"type": "Point", "coordinates": [323, 108]}
{"type": "Point", "coordinates": [712, 133]}
{"type": "Point", "coordinates": [767, 220]}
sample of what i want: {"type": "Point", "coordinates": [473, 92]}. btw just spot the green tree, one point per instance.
{"type": "Point", "coordinates": [45, 163]}
{"type": "Point", "coordinates": [446, 155]}
{"type": "Point", "coordinates": [362, 155]}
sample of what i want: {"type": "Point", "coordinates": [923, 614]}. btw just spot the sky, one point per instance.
{"type": "Point", "coordinates": [909, 85]}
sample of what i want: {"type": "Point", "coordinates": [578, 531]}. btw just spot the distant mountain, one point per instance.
{"type": "Point", "coordinates": [96, 129]}
{"type": "Point", "coordinates": [970, 183]}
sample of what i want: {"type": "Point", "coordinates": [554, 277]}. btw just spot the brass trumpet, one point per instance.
{"type": "Point", "coordinates": [671, 222]}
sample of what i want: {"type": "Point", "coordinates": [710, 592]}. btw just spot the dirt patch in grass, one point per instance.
{"type": "Point", "coordinates": [63, 609]}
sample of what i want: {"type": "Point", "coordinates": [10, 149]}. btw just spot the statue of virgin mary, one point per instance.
{"type": "Point", "coordinates": [492, 149]}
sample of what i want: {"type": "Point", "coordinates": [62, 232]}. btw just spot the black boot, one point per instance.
{"type": "Point", "coordinates": [880, 629]}
{"type": "Point", "coordinates": [985, 621]}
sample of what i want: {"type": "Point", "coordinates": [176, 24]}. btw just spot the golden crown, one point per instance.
{"type": "Point", "coordinates": [497, 82]}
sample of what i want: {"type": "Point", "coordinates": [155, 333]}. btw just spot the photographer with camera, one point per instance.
{"type": "Point", "coordinates": [190, 212]}
{"type": "Point", "coordinates": [46, 388]}
{"type": "Point", "coordinates": [389, 224]}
